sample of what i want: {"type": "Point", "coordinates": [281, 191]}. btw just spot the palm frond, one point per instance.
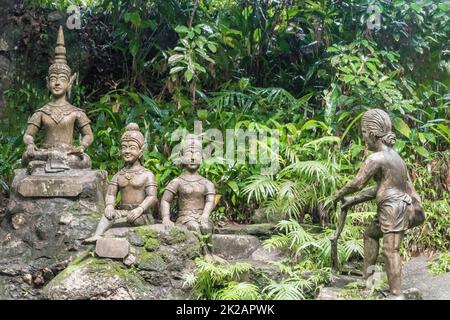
{"type": "Point", "coordinates": [260, 187]}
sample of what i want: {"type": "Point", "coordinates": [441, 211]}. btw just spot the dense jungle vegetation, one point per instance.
{"type": "Point", "coordinates": [309, 69]}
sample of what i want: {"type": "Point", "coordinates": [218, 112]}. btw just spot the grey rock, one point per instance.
{"type": "Point", "coordinates": [113, 248]}
{"type": "Point", "coordinates": [66, 218]}
{"type": "Point", "coordinates": [135, 239]}
{"type": "Point", "coordinates": [261, 216]}
{"type": "Point", "coordinates": [330, 293]}
{"type": "Point", "coordinates": [231, 247]}
{"type": "Point", "coordinates": [129, 260]}
{"type": "Point", "coordinates": [261, 230]}
{"type": "Point", "coordinates": [142, 275]}
{"type": "Point", "coordinates": [262, 254]}
{"type": "Point", "coordinates": [94, 279]}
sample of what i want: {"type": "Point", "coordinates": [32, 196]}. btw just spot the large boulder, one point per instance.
{"type": "Point", "coordinates": [154, 268]}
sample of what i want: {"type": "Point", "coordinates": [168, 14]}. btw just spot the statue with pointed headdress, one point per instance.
{"type": "Point", "coordinates": [136, 184]}
{"type": "Point", "coordinates": [58, 119]}
{"type": "Point", "coordinates": [195, 193]}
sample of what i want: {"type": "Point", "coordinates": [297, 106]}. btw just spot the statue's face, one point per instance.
{"type": "Point", "coordinates": [58, 84]}
{"type": "Point", "coordinates": [369, 139]}
{"type": "Point", "coordinates": [130, 151]}
{"type": "Point", "coordinates": [192, 160]}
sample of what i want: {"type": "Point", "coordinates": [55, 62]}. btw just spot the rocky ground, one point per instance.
{"type": "Point", "coordinates": [416, 275]}
{"type": "Point", "coordinates": [418, 284]}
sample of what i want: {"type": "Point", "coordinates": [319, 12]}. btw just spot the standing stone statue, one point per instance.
{"type": "Point", "coordinates": [195, 193]}
{"type": "Point", "coordinates": [58, 119]}
{"type": "Point", "coordinates": [137, 187]}
{"type": "Point", "coordinates": [399, 205]}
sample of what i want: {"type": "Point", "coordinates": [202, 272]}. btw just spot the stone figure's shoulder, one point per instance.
{"type": "Point", "coordinates": [36, 118]}
{"type": "Point", "coordinates": [148, 172]}
{"type": "Point", "coordinates": [173, 185]}
{"type": "Point", "coordinates": [209, 186]}
{"type": "Point", "coordinates": [376, 158]}
{"type": "Point", "coordinates": [115, 178]}
{"type": "Point", "coordinates": [150, 177]}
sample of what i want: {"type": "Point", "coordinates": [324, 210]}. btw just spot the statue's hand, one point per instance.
{"type": "Point", "coordinates": [204, 219]}
{"type": "Point", "coordinates": [110, 213]}
{"type": "Point", "coordinates": [31, 149]}
{"type": "Point", "coordinates": [134, 214]}
{"type": "Point", "coordinates": [77, 150]}
{"type": "Point", "coordinates": [168, 223]}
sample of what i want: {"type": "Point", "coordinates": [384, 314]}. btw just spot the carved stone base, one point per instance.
{"type": "Point", "coordinates": [46, 220]}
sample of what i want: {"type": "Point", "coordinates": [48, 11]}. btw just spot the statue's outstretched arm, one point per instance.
{"type": "Point", "coordinates": [366, 172]}
{"type": "Point", "coordinates": [365, 195]}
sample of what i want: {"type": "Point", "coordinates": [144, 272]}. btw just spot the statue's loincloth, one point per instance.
{"type": "Point", "coordinates": [392, 213]}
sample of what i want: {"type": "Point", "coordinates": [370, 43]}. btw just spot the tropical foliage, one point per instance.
{"type": "Point", "coordinates": [308, 69]}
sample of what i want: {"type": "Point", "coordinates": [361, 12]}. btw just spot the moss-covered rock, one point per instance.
{"type": "Point", "coordinates": [176, 235]}
{"type": "Point", "coordinates": [151, 244]}
{"type": "Point", "coordinates": [97, 279]}
{"type": "Point", "coordinates": [160, 257]}
{"type": "Point", "coordinates": [150, 261]}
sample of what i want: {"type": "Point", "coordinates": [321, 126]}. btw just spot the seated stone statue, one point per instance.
{"type": "Point", "coordinates": [137, 187]}
{"type": "Point", "coordinates": [58, 119]}
{"type": "Point", "coordinates": [195, 193]}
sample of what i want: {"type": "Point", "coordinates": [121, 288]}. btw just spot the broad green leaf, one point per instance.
{"type": "Point", "coordinates": [348, 78]}
{"type": "Point", "coordinates": [134, 17]}
{"type": "Point", "coordinates": [176, 69]}
{"type": "Point", "coordinates": [174, 58]}
{"type": "Point", "coordinates": [402, 127]}
{"type": "Point", "coordinates": [181, 29]}
{"type": "Point", "coordinates": [422, 151]}
{"type": "Point", "coordinates": [188, 75]}
{"type": "Point", "coordinates": [234, 186]}
{"type": "Point", "coordinates": [212, 47]}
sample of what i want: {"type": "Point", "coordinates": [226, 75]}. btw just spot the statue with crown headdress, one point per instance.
{"type": "Point", "coordinates": [58, 119]}
{"type": "Point", "coordinates": [195, 193]}
{"type": "Point", "coordinates": [136, 184]}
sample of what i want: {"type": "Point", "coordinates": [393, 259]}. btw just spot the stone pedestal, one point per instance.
{"type": "Point", "coordinates": [47, 218]}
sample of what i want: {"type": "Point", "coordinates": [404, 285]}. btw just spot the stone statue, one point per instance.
{"type": "Point", "coordinates": [137, 187]}
{"type": "Point", "coordinates": [58, 120]}
{"type": "Point", "coordinates": [399, 205]}
{"type": "Point", "coordinates": [195, 193]}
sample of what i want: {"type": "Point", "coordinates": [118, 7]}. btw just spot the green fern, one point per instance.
{"type": "Point", "coordinates": [239, 291]}
{"type": "Point", "coordinates": [211, 278]}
